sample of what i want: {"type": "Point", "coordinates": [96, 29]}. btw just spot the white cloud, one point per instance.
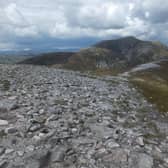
{"type": "Point", "coordinates": [15, 16]}
{"type": "Point", "coordinates": [105, 15]}
{"type": "Point", "coordinates": [82, 18]}
{"type": "Point", "coordinates": [156, 10]}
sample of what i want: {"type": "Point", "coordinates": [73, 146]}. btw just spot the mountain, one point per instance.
{"type": "Point", "coordinates": [49, 59]}
{"type": "Point", "coordinates": [120, 54]}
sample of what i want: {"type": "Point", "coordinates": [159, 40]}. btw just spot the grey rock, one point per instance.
{"type": "Point", "coordinates": [70, 119]}
{"type": "Point", "coordinates": [30, 148]}
{"type": "Point", "coordinates": [32, 164]}
{"type": "Point", "coordinates": [2, 150]}
{"type": "Point", "coordinates": [141, 161]}
{"type": "Point", "coordinates": [11, 130]}
{"type": "Point", "coordinates": [140, 141]}
{"type": "Point", "coordinates": [3, 122]}
{"type": "Point", "coordinates": [9, 151]}
{"type": "Point", "coordinates": [117, 156]}
{"type": "Point", "coordinates": [111, 144]}
{"type": "Point", "coordinates": [3, 163]}
{"type": "Point", "coordinates": [20, 153]}
{"type": "Point", "coordinates": [58, 154]}
{"type": "Point", "coordinates": [34, 127]}
{"type": "Point", "coordinates": [166, 160]}
{"type": "Point", "coordinates": [145, 161]}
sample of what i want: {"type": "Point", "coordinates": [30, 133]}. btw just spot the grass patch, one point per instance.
{"type": "Point", "coordinates": [5, 85]}
{"type": "Point", "coordinates": [153, 83]}
{"type": "Point", "coordinates": [155, 91]}
{"type": "Point", "coordinates": [2, 134]}
{"type": "Point", "coordinates": [61, 102]}
{"type": "Point", "coordinates": [105, 71]}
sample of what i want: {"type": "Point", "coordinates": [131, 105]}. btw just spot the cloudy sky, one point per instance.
{"type": "Point", "coordinates": [51, 24]}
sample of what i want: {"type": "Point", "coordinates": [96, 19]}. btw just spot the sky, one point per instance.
{"type": "Point", "coordinates": [51, 24]}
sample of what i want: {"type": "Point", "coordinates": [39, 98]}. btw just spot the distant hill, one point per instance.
{"type": "Point", "coordinates": [4, 59]}
{"type": "Point", "coordinates": [119, 54]}
{"type": "Point", "coordinates": [49, 59]}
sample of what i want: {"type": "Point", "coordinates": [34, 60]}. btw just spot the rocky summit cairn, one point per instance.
{"type": "Point", "coordinates": [53, 118]}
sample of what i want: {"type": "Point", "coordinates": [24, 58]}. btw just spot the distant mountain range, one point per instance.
{"type": "Point", "coordinates": [120, 54]}
{"type": "Point", "coordinates": [12, 59]}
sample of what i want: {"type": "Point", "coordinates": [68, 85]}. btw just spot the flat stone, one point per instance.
{"type": "Point", "coordinates": [37, 138]}
{"type": "Point", "coordinates": [140, 141]}
{"type": "Point", "coordinates": [166, 160]}
{"type": "Point", "coordinates": [35, 127]}
{"type": "Point", "coordinates": [32, 164]}
{"type": "Point", "coordinates": [112, 144]}
{"type": "Point", "coordinates": [145, 161]}
{"type": "Point", "coordinates": [30, 148]}
{"type": "Point", "coordinates": [141, 160]}
{"type": "Point", "coordinates": [41, 111]}
{"type": "Point", "coordinates": [20, 153]}
{"type": "Point", "coordinates": [74, 130]}
{"type": "Point", "coordinates": [116, 156]}
{"type": "Point", "coordinates": [12, 98]}
{"type": "Point", "coordinates": [3, 122]}
{"type": "Point", "coordinates": [11, 130]}
{"type": "Point", "coordinates": [58, 154]}
{"type": "Point", "coordinates": [3, 163]}
{"type": "Point", "coordinates": [2, 150]}
{"type": "Point", "coordinates": [9, 151]}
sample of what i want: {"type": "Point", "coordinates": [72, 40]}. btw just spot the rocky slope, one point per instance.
{"type": "Point", "coordinates": [53, 118]}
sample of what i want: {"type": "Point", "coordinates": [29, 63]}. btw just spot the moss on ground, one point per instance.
{"type": "Point", "coordinates": [5, 85]}
{"type": "Point", "coordinates": [154, 85]}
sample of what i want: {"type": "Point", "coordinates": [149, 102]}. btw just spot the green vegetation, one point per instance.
{"type": "Point", "coordinates": [154, 85]}
{"type": "Point", "coordinates": [5, 85]}
{"type": "Point", "coordinates": [61, 102]}
{"type": "Point", "coordinates": [103, 72]}
{"type": "Point", "coordinates": [2, 134]}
